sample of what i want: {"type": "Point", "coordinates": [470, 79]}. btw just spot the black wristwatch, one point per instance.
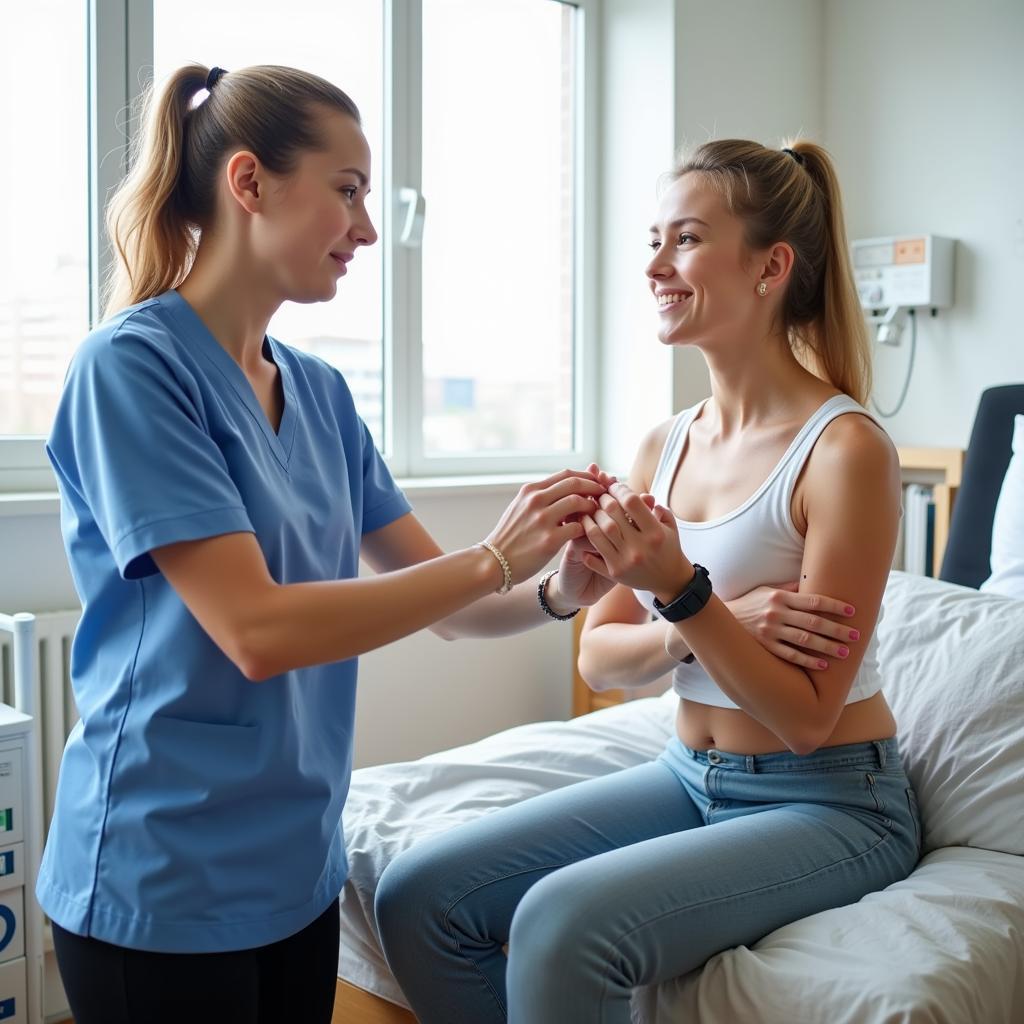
{"type": "Point", "coordinates": [695, 595]}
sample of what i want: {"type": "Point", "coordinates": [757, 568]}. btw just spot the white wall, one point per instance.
{"type": "Point", "coordinates": [34, 574]}
{"type": "Point", "coordinates": [679, 72]}
{"type": "Point", "coordinates": [750, 70]}
{"type": "Point", "coordinates": [637, 143]}
{"type": "Point", "coordinates": [923, 106]}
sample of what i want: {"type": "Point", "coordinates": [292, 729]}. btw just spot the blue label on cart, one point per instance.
{"type": "Point", "coordinates": [7, 862]}
{"type": "Point", "coordinates": [7, 1009]}
{"type": "Point", "coordinates": [8, 926]}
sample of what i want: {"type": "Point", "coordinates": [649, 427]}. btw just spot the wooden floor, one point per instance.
{"type": "Point", "coordinates": [355, 1006]}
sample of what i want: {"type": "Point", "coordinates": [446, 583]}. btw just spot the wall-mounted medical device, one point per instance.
{"type": "Point", "coordinates": [897, 274]}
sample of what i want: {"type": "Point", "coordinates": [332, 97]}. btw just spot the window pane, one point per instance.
{"type": "Point", "coordinates": [44, 207]}
{"type": "Point", "coordinates": [498, 242]}
{"type": "Point", "coordinates": [342, 42]}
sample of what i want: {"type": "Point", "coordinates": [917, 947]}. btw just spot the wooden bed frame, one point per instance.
{"type": "Point", "coordinates": [357, 1006]}
{"type": "Point", "coordinates": [940, 467]}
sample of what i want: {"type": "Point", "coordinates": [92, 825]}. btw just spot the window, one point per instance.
{"type": "Point", "coordinates": [44, 209]}
{"type": "Point", "coordinates": [460, 333]}
{"type": "Point", "coordinates": [497, 250]}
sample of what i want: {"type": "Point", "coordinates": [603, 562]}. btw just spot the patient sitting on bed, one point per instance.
{"type": "Point", "coordinates": [782, 792]}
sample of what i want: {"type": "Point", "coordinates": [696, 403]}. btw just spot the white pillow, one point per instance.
{"type": "Point", "coordinates": [952, 663]}
{"type": "Point", "coordinates": [1008, 525]}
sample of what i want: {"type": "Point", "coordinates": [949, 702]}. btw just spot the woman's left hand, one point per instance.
{"type": "Point", "coordinates": [635, 545]}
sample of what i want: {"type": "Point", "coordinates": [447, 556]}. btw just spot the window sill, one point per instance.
{"type": "Point", "coordinates": [30, 503]}
{"type": "Point", "coordinates": [432, 486]}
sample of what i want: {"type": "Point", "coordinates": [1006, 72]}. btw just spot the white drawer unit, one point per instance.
{"type": "Point", "coordinates": [12, 992]}
{"type": "Point", "coordinates": [12, 797]}
{"type": "Point", "coordinates": [13, 977]}
{"type": "Point", "coordinates": [12, 903]}
{"type": "Point", "coordinates": [21, 955]}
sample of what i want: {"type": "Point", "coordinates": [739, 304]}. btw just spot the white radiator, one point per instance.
{"type": "Point", "coordinates": [52, 703]}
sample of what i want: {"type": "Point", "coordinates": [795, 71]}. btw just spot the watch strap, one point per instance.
{"type": "Point", "coordinates": [693, 597]}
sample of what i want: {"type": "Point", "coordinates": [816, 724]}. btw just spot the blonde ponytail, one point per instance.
{"type": "Point", "coordinates": [792, 195]}
{"type": "Point", "coordinates": [157, 215]}
{"type": "Point", "coordinates": [154, 244]}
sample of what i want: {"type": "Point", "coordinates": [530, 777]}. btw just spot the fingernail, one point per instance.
{"type": "Point", "coordinates": [854, 634]}
{"type": "Point", "coordinates": [843, 652]}
{"type": "Point", "coordinates": [849, 609]}
{"type": "Point", "coordinates": [822, 664]}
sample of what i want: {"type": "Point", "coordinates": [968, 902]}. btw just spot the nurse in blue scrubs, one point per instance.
{"type": "Point", "coordinates": [218, 489]}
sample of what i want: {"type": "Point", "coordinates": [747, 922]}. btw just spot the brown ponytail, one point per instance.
{"type": "Point", "coordinates": [157, 215]}
{"type": "Point", "coordinates": [792, 195]}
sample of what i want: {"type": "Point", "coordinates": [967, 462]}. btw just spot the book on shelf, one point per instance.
{"type": "Point", "coordinates": [918, 530]}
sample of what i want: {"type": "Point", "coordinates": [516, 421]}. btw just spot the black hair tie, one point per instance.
{"type": "Point", "coordinates": [213, 77]}
{"type": "Point", "coordinates": [798, 157]}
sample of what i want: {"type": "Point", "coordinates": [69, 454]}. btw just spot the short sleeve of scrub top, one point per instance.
{"type": "Point", "coordinates": [197, 811]}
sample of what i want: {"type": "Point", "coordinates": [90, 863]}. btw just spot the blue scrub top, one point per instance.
{"type": "Point", "coordinates": [197, 811]}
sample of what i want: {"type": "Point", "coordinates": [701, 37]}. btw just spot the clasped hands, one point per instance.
{"type": "Point", "coordinates": [628, 538]}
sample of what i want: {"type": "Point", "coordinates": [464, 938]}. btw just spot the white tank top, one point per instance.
{"type": "Point", "coordinates": [754, 545]}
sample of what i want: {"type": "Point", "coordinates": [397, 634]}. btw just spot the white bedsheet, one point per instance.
{"type": "Point", "coordinates": [945, 946]}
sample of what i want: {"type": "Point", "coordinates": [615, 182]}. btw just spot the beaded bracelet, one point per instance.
{"type": "Point", "coordinates": [543, 602]}
{"type": "Point", "coordinates": [506, 569]}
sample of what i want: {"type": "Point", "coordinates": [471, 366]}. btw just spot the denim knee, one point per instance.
{"type": "Point", "coordinates": [407, 896]}
{"type": "Point", "coordinates": [557, 928]}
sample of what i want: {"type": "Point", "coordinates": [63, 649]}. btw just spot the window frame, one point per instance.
{"type": "Point", "coordinates": [120, 41]}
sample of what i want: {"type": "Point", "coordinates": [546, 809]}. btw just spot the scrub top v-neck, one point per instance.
{"type": "Point", "coordinates": [280, 441]}
{"type": "Point", "coordinates": [197, 811]}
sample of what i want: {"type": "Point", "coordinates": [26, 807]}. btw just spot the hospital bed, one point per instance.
{"type": "Point", "coordinates": [944, 946]}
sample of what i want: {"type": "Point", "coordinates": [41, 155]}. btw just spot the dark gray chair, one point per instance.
{"type": "Point", "coordinates": [966, 559]}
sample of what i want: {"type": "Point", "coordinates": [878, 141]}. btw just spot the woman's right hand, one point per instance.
{"type": "Point", "coordinates": [793, 626]}
{"type": "Point", "coordinates": [542, 517]}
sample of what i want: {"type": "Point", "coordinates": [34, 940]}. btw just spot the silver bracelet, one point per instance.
{"type": "Point", "coordinates": [506, 569]}
{"type": "Point", "coordinates": [543, 601]}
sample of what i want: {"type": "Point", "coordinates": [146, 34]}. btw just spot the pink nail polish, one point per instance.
{"type": "Point", "coordinates": [854, 634]}
{"type": "Point", "coordinates": [849, 609]}
{"type": "Point", "coordinates": [822, 664]}
{"type": "Point", "coordinates": [843, 652]}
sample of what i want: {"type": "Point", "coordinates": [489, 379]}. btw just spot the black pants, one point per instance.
{"type": "Point", "coordinates": [287, 982]}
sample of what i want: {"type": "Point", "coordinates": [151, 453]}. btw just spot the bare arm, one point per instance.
{"type": "Point", "coordinates": [267, 628]}
{"type": "Point", "coordinates": [406, 542]}
{"type": "Point", "coordinates": [852, 507]}
{"type": "Point", "coordinates": [622, 648]}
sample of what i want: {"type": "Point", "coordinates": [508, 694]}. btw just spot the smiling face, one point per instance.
{"type": "Point", "coordinates": [702, 275]}
{"type": "Point", "coordinates": [315, 218]}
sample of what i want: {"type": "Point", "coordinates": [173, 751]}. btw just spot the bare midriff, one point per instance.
{"type": "Point", "coordinates": [703, 727]}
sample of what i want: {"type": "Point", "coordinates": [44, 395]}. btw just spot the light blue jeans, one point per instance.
{"type": "Point", "coordinates": [636, 877]}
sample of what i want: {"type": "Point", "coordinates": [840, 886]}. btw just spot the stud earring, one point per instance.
{"type": "Point", "coordinates": [762, 289]}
